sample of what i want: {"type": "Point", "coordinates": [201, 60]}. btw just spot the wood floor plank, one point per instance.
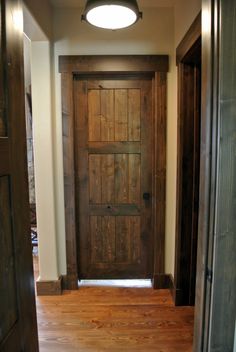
{"type": "Point", "coordinates": [97, 319]}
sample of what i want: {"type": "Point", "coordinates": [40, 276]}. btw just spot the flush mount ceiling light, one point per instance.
{"type": "Point", "coordinates": [111, 14]}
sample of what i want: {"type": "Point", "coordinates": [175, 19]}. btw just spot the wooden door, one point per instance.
{"type": "Point", "coordinates": [18, 328]}
{"type": "Point", "coordinates": [113, 152]}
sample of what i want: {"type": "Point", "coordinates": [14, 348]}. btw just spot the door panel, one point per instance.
{"type": "Point", "coordinates": [113, 145]}
{"type": "Point", "coordinates": [18, 326]}
{"type": "Point", "coordinates": [8, 286]}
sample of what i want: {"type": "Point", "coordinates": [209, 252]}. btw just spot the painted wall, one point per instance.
{"type": "Point", "coordinates": [41, 11]}
{"type": "Point", "coordinates": [43, 159]}
{"type": "Point", "coordinates": [185, 13]}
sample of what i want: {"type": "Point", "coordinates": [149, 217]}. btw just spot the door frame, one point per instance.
{"type": "Point", "coordinates": [183, 244]}
{"type": "Point", "coordinates": [157, 66]}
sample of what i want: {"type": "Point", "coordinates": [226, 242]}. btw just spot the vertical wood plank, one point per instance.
{"type": "Point", "coordinates": [107, 115]}
{"type": "Point", "coordinates": [94, 115]}
{"type": "Point", "coordinates": [108, 238]}
{"type": "Point", "coordinates": [107, 178]}
{"type": "Point", "coordinates": [69, 182]}
{"type": "Point", "coordinates": [134, 178]}
{"type": "Point", "coordinates": [95, 179]}
{"type": "Point", "coordinates": [122, 239]}
{"type": "Point", "coordinates": [96, 239]}
{"type": "Point", "coordinates": [160, 171]}
{"type": "Point", "coordinates": [134, 106]}
{"type": "Point", "coordinates": [121, 115]}
{"type": "Point", "coordinates": [135, 239]}
{"type": "Point", "coordinates": [121, 178]}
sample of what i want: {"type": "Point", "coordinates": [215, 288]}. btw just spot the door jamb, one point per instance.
{"type": "Point", "coordinates": [188, 44]}
{"type": "Point", "coordinates": [158, 66]}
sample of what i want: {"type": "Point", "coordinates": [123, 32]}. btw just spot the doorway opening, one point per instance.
{"type": "Point", "coordinates": [114, 131]}
{"type": "Point", "coordinates": [188, 167]}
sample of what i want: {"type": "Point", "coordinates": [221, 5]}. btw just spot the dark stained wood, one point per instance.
{"type": "Point", "coordinates": [215, 324]}
{"type": "Point", "coordinates": [130, 71]}
{"type": "Point", "coordinates": [113, 64]}
{"type": "Point", "coordinates": [49, 288]}
{"type": "Point", "coordinates": [5, 157]}
{"type": "Point", "coordinates": [207, 183]}
{"type": "Point", "coordinates": [188, 160]}
{"type": "Point", "coordinates": [107, 115]}
{"type": "Point", "coordinates": [71, 281]}
{"type": "Point", "coordinates": [189, 40]}
{"type": "Point", "coordinates": [109, 187]}
{"type": "Point", "coordinates": [114, 147]}
{"type": "Point", "coordinates": [121, 115]}
{"type": "Point", "coordinates": [18, 326]}
{"type": "Point", "coordinates": [159, 172]}
{"type": "Point", "coordinates": [114, 319]}
{"type": "Point", "coordinates": [121, 179]}
{"type": "Point", "coordinates": [114, 209]}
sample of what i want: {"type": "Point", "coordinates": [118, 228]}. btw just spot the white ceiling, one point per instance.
{"type": "Point", "coordinates": [142, 3]}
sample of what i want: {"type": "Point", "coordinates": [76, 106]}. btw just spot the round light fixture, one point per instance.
{"type": "Point", "coordinates": [111, 14]}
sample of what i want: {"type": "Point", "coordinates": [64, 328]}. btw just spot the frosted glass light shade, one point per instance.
{"type": "Point", "coordinates": [111, 14]}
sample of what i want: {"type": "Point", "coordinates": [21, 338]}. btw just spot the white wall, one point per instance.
{"type": "Point", "coordinates": [41, 12]}
{"type": "Point", "coordinates": [43, 159]}
{"type": "Point", "coordinates": [185, 13]}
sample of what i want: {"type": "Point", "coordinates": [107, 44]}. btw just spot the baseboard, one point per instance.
{"type": "Point", "coordinates": [49, 288]}
{"type": "Point", "coordinates": [163, 281]}
{"type": "Point", "coordinates": [69, 282]}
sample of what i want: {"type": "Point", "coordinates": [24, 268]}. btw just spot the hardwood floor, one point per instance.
{"type": "Point", "coordinates": [96, 319]}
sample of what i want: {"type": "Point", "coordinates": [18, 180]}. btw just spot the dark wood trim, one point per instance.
{"type": "Point", "coordinates": [69, 181]}
{"type": "Point", "coordinates": [189, 39]}
{"type": "Point", "coordinates": [49, 288]}
{"type": "Point", "coordinates": [114, 64]}
{"type": "Point", "coordinates": [208, 171]}
{"type": "Point", "coordinates": [163, 281]}
{"type": "Point", "coordinates": [159, 171]}
{"type": "Point", "coordinates": [189, 54]}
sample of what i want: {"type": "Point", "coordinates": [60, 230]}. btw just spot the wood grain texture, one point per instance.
{"type": "Point", "coordinates": [8, 286]}
{"type": "Point", "coordinates": [18, 326]}
{"type": "Point", "coordinates": [113, 64]}
{"type": "Point", "coordinates": [69, 186]}
{"type": "Point", "coordinates": [159, 170]}
{"type": "Point", "coordinates": [188, 164]}
{"type": "Point", "coordinates": [114, 319]}
{"type": "Point", "coordinates": [111, 180]}
{"type": "Point", "coordinates": [189, 39]}
{"type": "Point", "coordinates": [49, 288]}
{"type": "Point", "coordinates": [81, 68]}
{"type": "Point", "coordinates": [223, 288]}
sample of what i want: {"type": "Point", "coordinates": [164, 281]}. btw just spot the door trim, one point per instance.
{"type": "Point", "coordinates": [157, 66]}
{"type": "Point", "coordinates": [184, 52]}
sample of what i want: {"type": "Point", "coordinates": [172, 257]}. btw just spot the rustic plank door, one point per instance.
{"type": "Point", "coordinates": [18, 327]}
{"type": "Point", "coordinates": [113, 153]}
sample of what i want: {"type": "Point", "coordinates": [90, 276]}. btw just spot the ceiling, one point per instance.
{"type": "Point", "coordinates": [142, 3]}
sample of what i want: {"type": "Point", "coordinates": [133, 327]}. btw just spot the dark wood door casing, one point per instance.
{"type": "Point", "coordinates": [188, 56]}
{"type": "Point", "coordinates": [153, 66]}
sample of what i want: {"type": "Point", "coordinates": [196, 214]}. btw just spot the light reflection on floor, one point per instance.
{"type": "Point", "coordinates": [116, 283]}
